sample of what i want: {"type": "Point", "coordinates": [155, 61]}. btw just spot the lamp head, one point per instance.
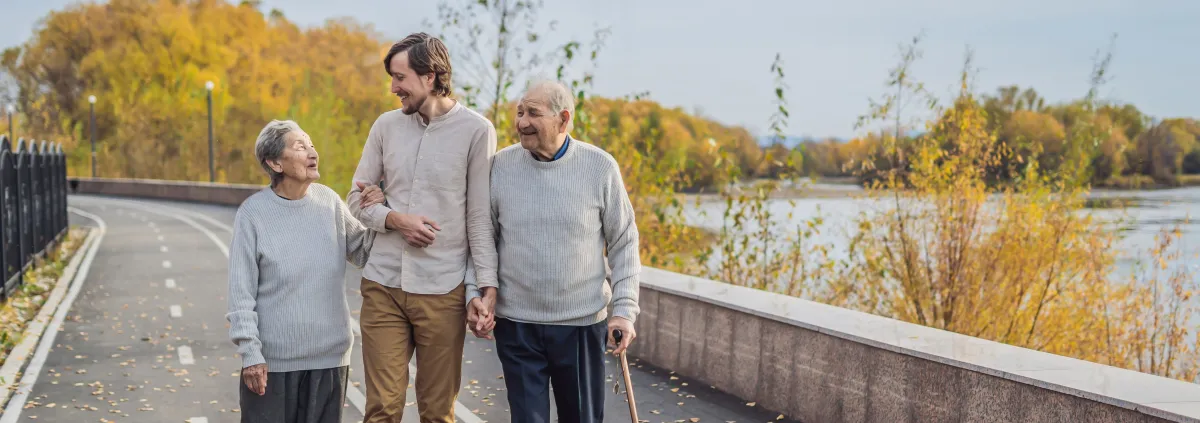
{"type": "Point", "coordinates": [208, 85]}
{"type": "Point", "coordinates": [92, 99]}
{"type": "Point", "coordinates": [10, 108]}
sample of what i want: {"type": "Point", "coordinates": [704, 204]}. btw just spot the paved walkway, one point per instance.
{"type": "Point", "coordinates": [146, 339]}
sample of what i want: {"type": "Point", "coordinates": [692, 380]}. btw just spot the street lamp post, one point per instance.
{"type": "Point", "coordinates": [208, 87]}
{"type": "Point", "coordinates": [10, 109]}
{"type": "Point", "coordinates": [92, 113]}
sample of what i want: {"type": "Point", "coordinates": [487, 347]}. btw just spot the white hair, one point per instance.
{"type": "Point", "coordinates": [270, 145]}
{"type": "Point", "coordinates": [558, 97]}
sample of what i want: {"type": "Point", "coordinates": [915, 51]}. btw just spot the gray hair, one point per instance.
{"type": "Point", "coordinates": [270, 145]}
{"type": "Point", "coordinates": [558, 97]}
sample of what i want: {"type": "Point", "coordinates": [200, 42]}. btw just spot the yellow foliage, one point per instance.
{"type": "Point", "coordinates": [1024, 264]}
{"type": "Point", "coordinates": [147, 63]}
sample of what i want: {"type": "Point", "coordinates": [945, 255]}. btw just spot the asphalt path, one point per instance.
{"type": "Point", "coordinates": [146, 339]}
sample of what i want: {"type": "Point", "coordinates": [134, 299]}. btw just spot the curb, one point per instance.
{"type": "Point", "coordinates": [21, 354]}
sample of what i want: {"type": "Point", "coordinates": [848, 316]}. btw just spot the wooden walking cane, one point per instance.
{"type": "Point", "coordinates": [617, 335]}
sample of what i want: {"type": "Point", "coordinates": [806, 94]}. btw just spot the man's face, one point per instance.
{"type": "Point", "coordinates": [537, 125]}
{"type": "Point", "coordinates": [412, 89]}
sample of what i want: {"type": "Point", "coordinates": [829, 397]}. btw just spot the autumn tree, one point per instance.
{"type": "Point", "coordinates": [147, 63]}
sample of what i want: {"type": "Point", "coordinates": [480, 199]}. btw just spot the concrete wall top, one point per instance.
{"type": "Point", "coordinates": [1167, 398]}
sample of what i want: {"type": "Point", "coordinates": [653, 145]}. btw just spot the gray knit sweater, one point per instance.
{"type": "Point", "coordinates": [554, 221]}
{"type": "Point", "coordinates": [287, 299]}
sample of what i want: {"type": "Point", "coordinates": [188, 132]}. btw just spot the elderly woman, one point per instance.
{"type": "Point", "coordinates": [287, 304]}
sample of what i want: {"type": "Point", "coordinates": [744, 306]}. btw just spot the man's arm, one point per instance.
{"type": "Point", "coordinates": [243, 292]}
{"type": "Point", "coordinates": [369, 172]}
{"type": "Point", "coordinates": [621, 237]}
{"type": "Point", "coordinates": [480, 232]}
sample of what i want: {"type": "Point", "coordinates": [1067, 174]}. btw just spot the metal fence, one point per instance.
{"type": "Point", "coordinates": [33, 205]}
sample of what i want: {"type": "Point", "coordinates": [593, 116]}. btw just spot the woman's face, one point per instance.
{"type": "Point", "coordinates": [299, 159]}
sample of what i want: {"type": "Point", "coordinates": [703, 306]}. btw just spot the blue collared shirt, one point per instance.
{"type": "Point", "coordinates": [562, 150]}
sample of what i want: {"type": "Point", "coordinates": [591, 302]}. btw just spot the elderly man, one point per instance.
{"type": "Point", "coordinates": [434, 158]}
{"type": "Point", "coordinates": [562, 219]}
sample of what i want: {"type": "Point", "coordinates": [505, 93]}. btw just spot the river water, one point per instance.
{"type": "Point", "coordinates": [1146, 213]}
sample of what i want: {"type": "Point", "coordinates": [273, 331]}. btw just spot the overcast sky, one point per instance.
{"type": "Point", "coordinates": [714, 55]}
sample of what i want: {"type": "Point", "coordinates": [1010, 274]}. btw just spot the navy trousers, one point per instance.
{"type": "Point", "coordinates": [569, 358]}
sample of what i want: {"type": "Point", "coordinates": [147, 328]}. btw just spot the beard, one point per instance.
{"type": "Point", "coordinates": [412, 105]}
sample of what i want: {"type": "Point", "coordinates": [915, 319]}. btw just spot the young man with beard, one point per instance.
{"type": "Point", "coordinates": [563, 220]}
{"type": "Point", "coordinates": [434, 159]}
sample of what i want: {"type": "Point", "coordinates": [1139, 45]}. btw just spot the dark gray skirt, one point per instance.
{"type": "Point", "coordinates": [304, 396]}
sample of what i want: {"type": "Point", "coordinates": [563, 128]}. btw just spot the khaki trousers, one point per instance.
{"type": "Point", "coordinates": [395, 324]}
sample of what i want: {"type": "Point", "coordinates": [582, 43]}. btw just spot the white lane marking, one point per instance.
{"type": "Point", "coordinates": [24, 350]}
{"type": "Point", "coordinates": [198, 420]}
{"type": "Point", "coordinates": [163, 248]}
{"type": "Point", "coordinates": [151, 224]}
{"type": "Point", "coordinates": [185, 355]}
{"type": "Point", "coordinates": [461, 412]}
{"type": "Point", "coordinates": [170, 283]}
{"type": "Point", "coordinates": [17, 403]}
{"type": "Point", "coordinates": [176, 311]}
{"type": "Point", "coordinates": [160, 237]}
{"type": "Point", "coordinates": [356, 398]}
{"type": "Point", "coordinates": [155, 230]}
{"type": "Point", "coordinates": [166, 264]}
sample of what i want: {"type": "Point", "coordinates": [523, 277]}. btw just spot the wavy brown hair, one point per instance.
{"type": "Point", "coordinates": [426, 55]}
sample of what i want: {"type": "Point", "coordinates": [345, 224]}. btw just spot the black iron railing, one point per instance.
{"type": "Point", "coordinates": [33, 205]}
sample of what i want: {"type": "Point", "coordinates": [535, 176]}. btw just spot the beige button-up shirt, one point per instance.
{"type": "Point", "coordinates": [439, 170]}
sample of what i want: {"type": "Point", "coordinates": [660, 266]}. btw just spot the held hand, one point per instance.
{"type": "Point", "coordinates": [371, 194]}
{"type": "Point", "coordinates": [255, 378]}
{"type": "Point", "coordinates": [416, 230]}
{"type": "Point", "coordinates": [481, 317]}
{"type": "Point", "coordinates": [627, 334]}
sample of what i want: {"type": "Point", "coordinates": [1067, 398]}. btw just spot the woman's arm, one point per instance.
{"type": "Point", "coordinates": [243, 291]}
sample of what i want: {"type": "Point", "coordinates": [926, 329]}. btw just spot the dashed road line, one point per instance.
{"type": "Point", "coordinates": [176, 311]}
{"type": "Point", "coordinates": [185, 355]}
{"type": "Point", "coordinates": [163, 248]}
{"type": "Point", "coordinates": [356, 398]}
{"type": "Point", "coordinates": [166, 264]}
{"type": "Point", "coordinates": [170, 283]}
